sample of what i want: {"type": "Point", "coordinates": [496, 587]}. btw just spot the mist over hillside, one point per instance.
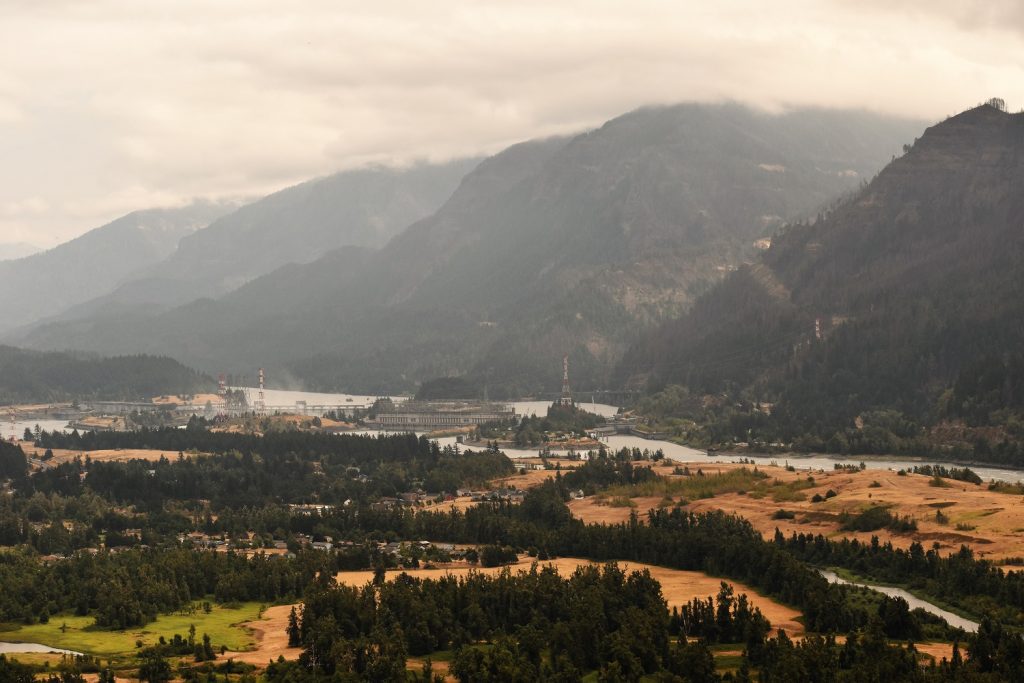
{"type": "Point", "coordinates": [569, 245]}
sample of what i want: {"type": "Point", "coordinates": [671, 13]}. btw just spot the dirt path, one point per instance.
{"type": "Point", "coordinates": [271, 636]}
{"type": "Point", "coordinates": [939, 651]}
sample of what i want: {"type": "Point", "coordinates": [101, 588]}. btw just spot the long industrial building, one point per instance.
{"type": "Point", "coordinates": [428, 415]}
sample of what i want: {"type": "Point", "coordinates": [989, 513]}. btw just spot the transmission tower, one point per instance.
{"type": "Point", "coordinates": [260, 406]}
{"type": "Point", "coordinates": [566, 397]}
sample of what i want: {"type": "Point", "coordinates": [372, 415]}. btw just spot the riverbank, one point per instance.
{"type": "Point", "coordinates": [1000, 473]}
{"type": "Point", "coordinates": [954, 616]}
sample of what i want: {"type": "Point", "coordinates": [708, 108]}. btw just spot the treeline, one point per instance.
{"type": "Point", "coordinates": [198, 438]}
{"type": "Point", "coordinates": [30, 376]}
{"type": "Point", "coordinates": [130, 588]}
{"type": "Point", "coordinates": [955, 473]}
{"type": "Point", "coordinates": [567, 419]}
{"type": "Point", "coordinates": [599, 473]}
{"type": "Point", "coordinates": [569, 623]}
{"type": "Point", "coordinates": [13, 464]}
{"type": "Point", "coordinates": [538, 626]}
{"type": "Point", "coordinates": [726, 618]}
{"type": "Point", "coordinates": [284, 467]}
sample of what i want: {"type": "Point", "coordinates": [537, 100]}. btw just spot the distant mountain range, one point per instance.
{"type": "Point", "coordinates": [15, 250]}
{"type": "Point", "coordinates": [49, 282]}
{"type": "Point", "coordinates": [902, 306]}
{"type": "Point", "coordinates": [571, 245]}
{"type": "Point", "coordinates": [364, 207]}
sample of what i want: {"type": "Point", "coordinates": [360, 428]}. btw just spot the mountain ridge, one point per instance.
{"type": "Point", "coordinates": [561, 246]}
{"type": "Point", "coordinates": [893, 296]}
{"type": "Point", "coordinates": [50, 281]}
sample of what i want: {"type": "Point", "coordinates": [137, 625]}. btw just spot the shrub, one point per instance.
{"type": "Point", "coordinates": [875, 518]}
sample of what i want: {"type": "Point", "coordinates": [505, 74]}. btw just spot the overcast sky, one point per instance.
{"type": "Point", "coordinates": [112, 105]}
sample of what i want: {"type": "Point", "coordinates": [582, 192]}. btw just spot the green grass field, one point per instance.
{"type": "Point", "coordinates": [81, 636]}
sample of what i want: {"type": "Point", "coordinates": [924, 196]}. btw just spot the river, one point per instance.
{"type": "Point", "coordinates": [953, 619]}
{"type": "Point", "coordinates": [671, 450]}
{"type": "Point", "coordinates": [281, 397]}
{"type": "Point", "coordinates": [7, 648]}
{"type": "Point", "coordinates": [18, 427]}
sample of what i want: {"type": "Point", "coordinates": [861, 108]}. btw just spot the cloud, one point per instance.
{"type": "Point", "coordinates": [114, 105]}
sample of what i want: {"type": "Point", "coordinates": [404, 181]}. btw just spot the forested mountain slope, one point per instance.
{"type": "Point", "coordinates": [552, 247]}
{"type": "Point", "coordinates": [49, 282]}
{"type": "Point", "coordinates": [30, 376]}
{"type": "Point", "coordinates": [914, 284]}
{"type": "Point", "coordinates": [363, 207]}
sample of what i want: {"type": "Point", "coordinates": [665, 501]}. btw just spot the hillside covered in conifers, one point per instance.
{"type": "Point", "coordinates": [894, 323]}
{"type": "Point", "coordinates": [30, 376]}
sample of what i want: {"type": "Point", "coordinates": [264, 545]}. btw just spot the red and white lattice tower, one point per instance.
{"type": "Point", "coordinates": [566, 398]}
{"type": "Point", "coordinates": [222, 385]}
{"type": "Point", "coordinates": [261, 404]}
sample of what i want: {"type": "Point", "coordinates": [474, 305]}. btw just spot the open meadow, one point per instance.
{"type": "Point", "coordinates": [947, 512]}
{"type": "Point", "coordinates": [224, 625]}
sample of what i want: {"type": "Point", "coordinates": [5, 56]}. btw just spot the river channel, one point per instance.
{"type": "Point", "coordinates": [8, 648]}
{"type": "Point", "coordinates": [913, 601]}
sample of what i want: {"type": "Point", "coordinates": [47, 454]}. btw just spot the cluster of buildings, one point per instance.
{"type": "Point", "coordinates": [510, 495]}
{"type": "Point", "coordinates": [413, 498]}
{"type": "Point", "coordinates": [248, 541]}
{"type": "Point", "coordinates": [420, 416]}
